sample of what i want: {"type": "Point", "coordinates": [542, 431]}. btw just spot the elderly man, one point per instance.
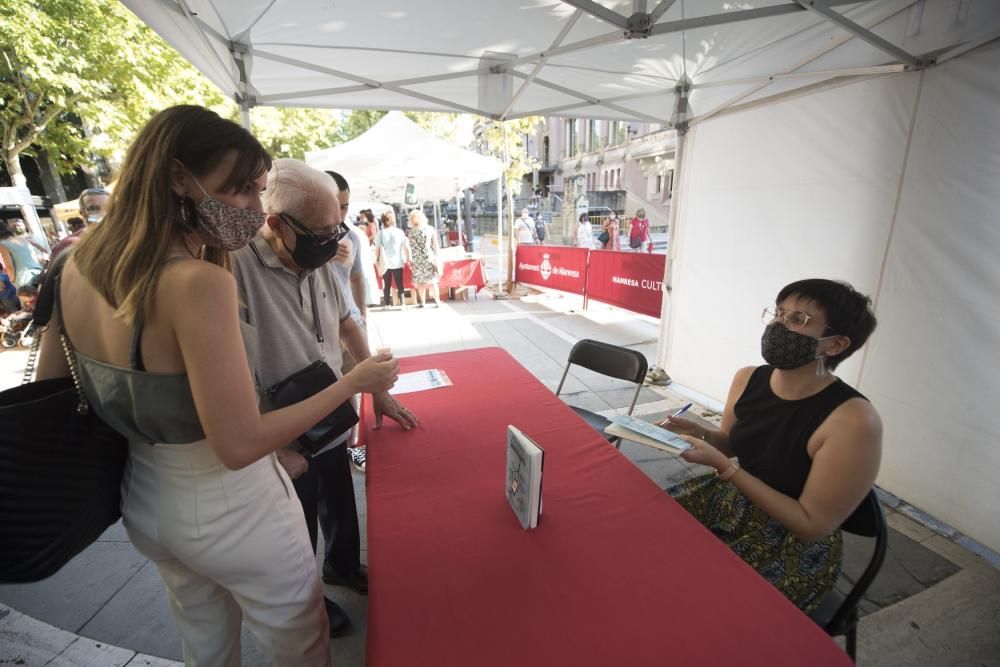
{"type": "Point", "coordinates": [298, 310]}
{"type": "Point", "coordinates": [524, 229]}
{"type": "Point", "coordinates": [93, 201]}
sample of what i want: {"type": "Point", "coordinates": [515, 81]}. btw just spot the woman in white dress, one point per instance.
{"type": "Point", "coordinates": [584, 234]}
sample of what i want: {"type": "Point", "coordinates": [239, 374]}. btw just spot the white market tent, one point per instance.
{"type": "Point", "coordinates": [396, 151]}
{"type": "Point", "coordinates": [852, 140]}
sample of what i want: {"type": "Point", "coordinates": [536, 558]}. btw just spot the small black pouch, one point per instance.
{"type": "Point", "coordinates": [307, 382]}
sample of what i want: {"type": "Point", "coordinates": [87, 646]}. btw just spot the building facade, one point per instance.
{"type": "Point", "coordinates": [625, 166]}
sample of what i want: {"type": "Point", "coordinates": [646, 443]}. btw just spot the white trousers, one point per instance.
{"type": "Point", "coordinates": [230, 546]}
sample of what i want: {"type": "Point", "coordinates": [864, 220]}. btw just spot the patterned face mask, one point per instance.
{"type": "Point", "coordinates": [221, 225]}
{"type": "Point", "coordinates": [786, 349]}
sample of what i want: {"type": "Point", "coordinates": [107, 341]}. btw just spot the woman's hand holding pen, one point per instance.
{"type": "Point", "coordinates": [682, 426]}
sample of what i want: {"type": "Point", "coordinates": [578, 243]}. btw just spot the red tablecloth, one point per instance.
{"type": "Point", "coordinates": [457, 273]}
{"type": "Point", "coordinates": [617, 573]}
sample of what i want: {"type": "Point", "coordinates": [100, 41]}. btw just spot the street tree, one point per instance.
{"type": "Point", "coordinates": [507, 141]}
{"type": "Point", "coordinates": [79, 77]}
{"type": "Point", "coordinates": [291, 132]}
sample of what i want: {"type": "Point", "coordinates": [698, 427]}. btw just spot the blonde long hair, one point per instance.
{"type": "Point", "coordinates": [123, 256]}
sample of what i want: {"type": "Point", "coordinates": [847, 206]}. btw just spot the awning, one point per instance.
{"type": "Point", "coordinates": [614, 59]}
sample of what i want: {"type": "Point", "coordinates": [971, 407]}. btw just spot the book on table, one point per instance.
{"type": "Point", "coordinates": [525, 463]}
{"type": "Point", "coordinates": [651, 435]}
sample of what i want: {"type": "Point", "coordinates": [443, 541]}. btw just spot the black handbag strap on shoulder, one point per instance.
{"type": "Point", "coordinates": [48, 292]}
{"type": "Point", "coordinates": [48, 300]}
{"type": "Point", "coordinates": [44, 305]}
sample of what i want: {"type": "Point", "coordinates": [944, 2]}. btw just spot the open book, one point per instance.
{"type": "Point", "coordinates": [651, 435]}
{"type": "Point", "coordinates": [524, 477]}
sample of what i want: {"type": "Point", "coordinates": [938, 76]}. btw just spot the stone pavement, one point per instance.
{"type": "Point", "coordinates": [934, 603]}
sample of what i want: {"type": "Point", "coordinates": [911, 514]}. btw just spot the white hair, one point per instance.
{"type": "Point", "coordinates": [417, 218]}
{"type": "Point", "coordinates": [295, 188]}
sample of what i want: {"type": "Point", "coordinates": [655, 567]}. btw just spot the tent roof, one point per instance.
{"type": "Point", "coordinates": [616, 59]}
{"type": "Point", "coordinates": [395, 150]}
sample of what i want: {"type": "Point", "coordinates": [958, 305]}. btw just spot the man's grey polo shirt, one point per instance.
{"type": "Point", "coordinates": [277, 304]}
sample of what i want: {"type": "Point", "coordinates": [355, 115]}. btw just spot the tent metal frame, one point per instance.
{"type": "Point", "coordinates": [641, 24]}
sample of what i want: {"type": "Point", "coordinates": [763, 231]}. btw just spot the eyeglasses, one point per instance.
{"type": "Point", "coordinates": [794, 320]}
{"type": "Point", "coordinates": [322, 239]}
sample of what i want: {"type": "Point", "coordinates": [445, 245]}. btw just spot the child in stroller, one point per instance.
{"type": "Point", "coordinates": [16, 328]}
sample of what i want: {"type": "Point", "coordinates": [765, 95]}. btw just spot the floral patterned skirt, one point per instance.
{"type": "Point", "coordinates": [803, 571]}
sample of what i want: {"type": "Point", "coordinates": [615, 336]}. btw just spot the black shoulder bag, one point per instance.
{"type": "Point", "coordinates": [60, 465]}
{"type": "Point", "coordinates": [309, 381]}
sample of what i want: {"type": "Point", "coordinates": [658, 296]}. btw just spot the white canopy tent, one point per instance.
{"type": "Point", "coordinates": [396, 151]}
{"type": "Point", "coordinates": [853, 140]}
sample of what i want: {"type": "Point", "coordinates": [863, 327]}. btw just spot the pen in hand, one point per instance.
{"type": "Point", "coordinates": [676, 414]}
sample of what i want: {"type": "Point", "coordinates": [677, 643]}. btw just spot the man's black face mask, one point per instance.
{"type": "Point", "coordinates": [313, 250]}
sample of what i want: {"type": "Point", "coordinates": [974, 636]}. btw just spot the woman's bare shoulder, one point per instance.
{"type": "Point", "coordinates": [191, 281]}
{"type": "Point", "coordinates": [859, 414]}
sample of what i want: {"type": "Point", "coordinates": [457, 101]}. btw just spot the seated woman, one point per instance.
{"type": "Point", "coordinates": [808, 444]}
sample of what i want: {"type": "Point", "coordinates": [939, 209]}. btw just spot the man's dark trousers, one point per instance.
{"type": "Point", "coordinates": [326, 492]}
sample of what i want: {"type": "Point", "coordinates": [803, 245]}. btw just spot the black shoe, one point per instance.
{"type": "Point", "coordinates": [357, 582]}
{"type": "Point", "coordinates": [340, 622]}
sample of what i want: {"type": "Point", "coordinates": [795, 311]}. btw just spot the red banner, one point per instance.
{"type": "Point", "coordinates": [556, 267]}
{"type": "Point", "coordinates": [457, 273]}
{"type": "Point", "coordinates": [629, 280]}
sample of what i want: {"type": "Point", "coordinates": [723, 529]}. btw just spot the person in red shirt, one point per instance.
{"type": "Point", "coordinates": [638, 236]}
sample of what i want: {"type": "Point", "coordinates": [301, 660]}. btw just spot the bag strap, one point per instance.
{"type": "Point", "coordinates": [29, 367]}
{"type": "Point", "coordinates": [48, 301]}
{"type": "Point", "coordinates": [315, 312]}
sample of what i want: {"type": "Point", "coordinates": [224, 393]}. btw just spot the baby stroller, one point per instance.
{"type": "Point", "coordinates": [17, 329]}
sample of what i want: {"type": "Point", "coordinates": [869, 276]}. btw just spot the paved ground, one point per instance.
{"type": "Point", "coordinates": [934, 602]}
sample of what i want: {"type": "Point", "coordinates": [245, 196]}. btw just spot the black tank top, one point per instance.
{"type": "Point", "coordinates": [770, 434]}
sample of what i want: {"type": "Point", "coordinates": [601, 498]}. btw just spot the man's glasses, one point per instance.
{"type": "Point", "coordinates": [322, 239]}
{"type": "Point", "coordinates": [794, 320]}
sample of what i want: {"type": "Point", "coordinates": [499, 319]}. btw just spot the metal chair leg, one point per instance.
{"type": "Point", "coordinates": [852, 643]}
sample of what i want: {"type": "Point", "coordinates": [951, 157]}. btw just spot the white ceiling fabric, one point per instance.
{"type": "Point", "coordinates": [420, 55]}
{"type": "Point", "coordinates": [395, 150]}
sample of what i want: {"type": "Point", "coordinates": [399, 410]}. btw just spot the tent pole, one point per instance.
{"type": "Point", "coordinates": [502, 265]}
{"type": "Point", "coordinates": [680, 123]}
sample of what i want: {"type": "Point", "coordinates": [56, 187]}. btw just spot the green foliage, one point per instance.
{"type": "Point", "coordinates": [79, 77]}
{"type": "Point", "coordinates": [358, 122]}
{"type": "Point", "coordinates": [291, 132]}
{"type": "Point", "coordinates": [505, 140]}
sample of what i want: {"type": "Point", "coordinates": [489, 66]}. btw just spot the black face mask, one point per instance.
{"type": "Point", "coordinates": [312, 250]}
{"type": "Point", "coordinates": [786, 349]}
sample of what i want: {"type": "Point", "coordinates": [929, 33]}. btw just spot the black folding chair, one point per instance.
{"type": "Point", "coordinates": [838, 615]}
{"type": "Point", "coordinates": [612, 361]}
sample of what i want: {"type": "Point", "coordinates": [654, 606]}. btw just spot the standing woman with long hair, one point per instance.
{"type": "Point", "coordinates": [392, 249]}
{"type": "Point", "coordinates": [612, 227]}
{"type": "Point", "coordinates": [151, 318]}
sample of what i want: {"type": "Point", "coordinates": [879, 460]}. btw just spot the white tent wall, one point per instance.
{"type": "Point", "coordinates": [931, 370]}
{"type": "Point", "coordinates": [808, 187]}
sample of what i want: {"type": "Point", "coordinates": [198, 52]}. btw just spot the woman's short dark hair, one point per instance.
{"type": "Point", "coordinates": [848, 312]}
{"type": "Point", "coordinates": [584, 216]}
{"type": "Point", "coordinates": [5, 231]}
{"type": "Point", "coordinates": [75, 223]}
